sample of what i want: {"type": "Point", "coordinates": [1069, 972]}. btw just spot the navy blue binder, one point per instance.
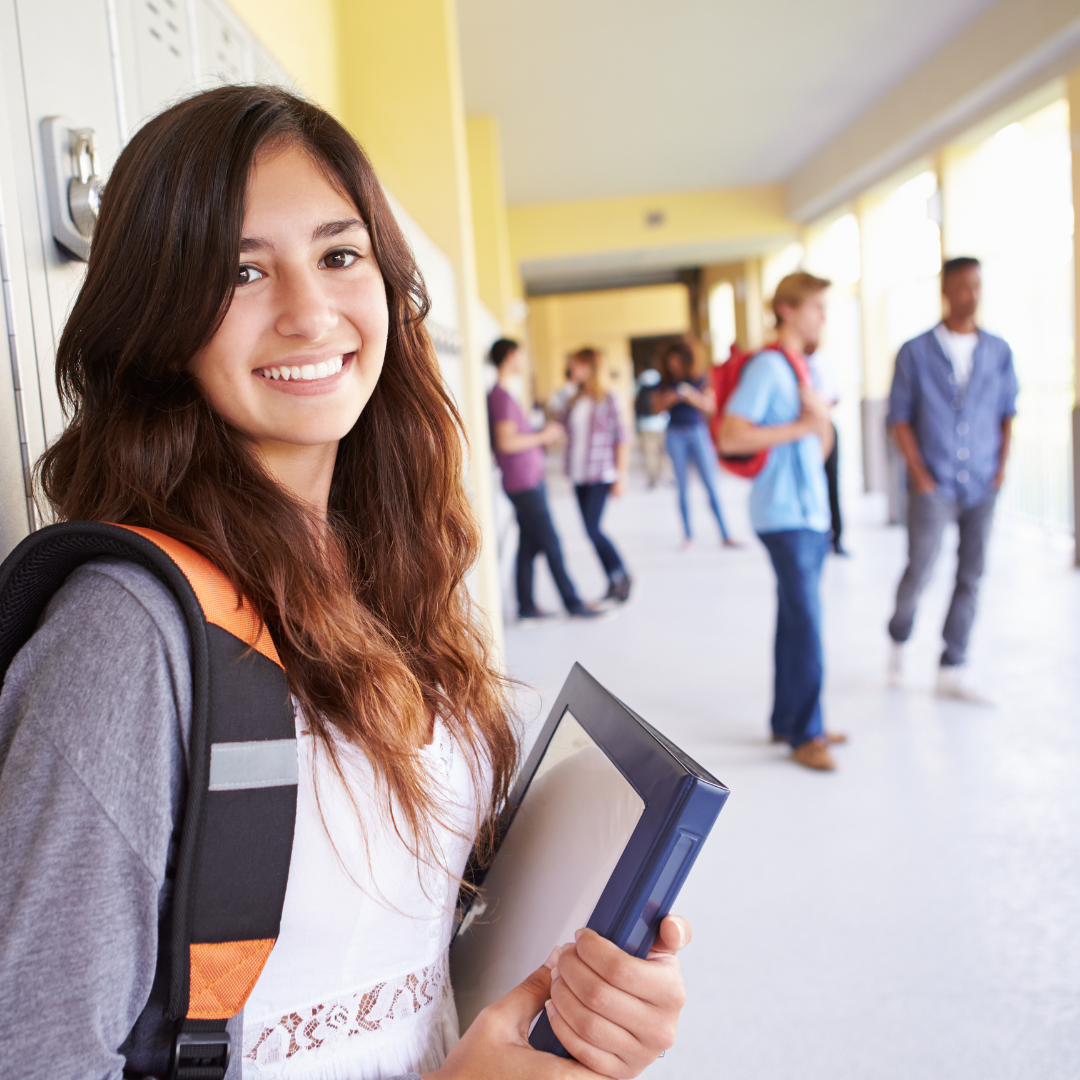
{"type": "Point", "coordinates": [601, 829]}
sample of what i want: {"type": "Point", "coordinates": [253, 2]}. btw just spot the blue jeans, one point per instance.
{"type": "Point", "coordinates": [538, 535]}
{"type": "Point", "coordinates": [591, 499]}
{"type": "Point", "coordinates": [686, 444]}
{"type": "Point", "coordinates": [797, 555]}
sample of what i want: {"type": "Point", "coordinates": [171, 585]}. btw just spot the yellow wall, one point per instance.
{"type": "Point", "coordinates": [607, 319]}
{"type": "Point", "coordinates": [401, 96]}
{"type": "Point", "coordinates": [491, 227]}
{"type": "Point", "coordinates": [303, 39]}
{"type": "Point", "coordinates": [549, 230]}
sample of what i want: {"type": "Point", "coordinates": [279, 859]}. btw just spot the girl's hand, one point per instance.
{"type": "Point", "coordinates": [618, 487]}
{"type": "Point", "coordinates": [614, 1012]}
{"type": "Point", "coordinates": [496, 1046]}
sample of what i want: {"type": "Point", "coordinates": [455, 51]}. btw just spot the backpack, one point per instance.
{"type": "Point", "coordinates": [725, 378]}
{"type": "Point", "coordinates": [238, 818]}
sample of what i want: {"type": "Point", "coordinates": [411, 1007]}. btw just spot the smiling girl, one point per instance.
{"type": "Point", "coordinates": [247, 371]}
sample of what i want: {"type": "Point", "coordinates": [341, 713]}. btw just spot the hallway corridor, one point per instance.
{"type": "Point", "coordinates": [913, 916]}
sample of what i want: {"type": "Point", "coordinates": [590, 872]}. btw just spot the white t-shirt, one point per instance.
{"type": "Point", "coordinates": [579, 423]}
{"type": "Point", "coordinates": [358, 983]}
{"type": "Point", "coordinates": [960, 349]}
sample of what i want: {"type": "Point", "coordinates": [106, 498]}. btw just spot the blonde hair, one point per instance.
{"type": "Point", "coordinates": [796, 288]}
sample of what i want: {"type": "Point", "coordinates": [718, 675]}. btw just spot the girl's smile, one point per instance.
{"type": "Point", "coordinates": [307, 374]}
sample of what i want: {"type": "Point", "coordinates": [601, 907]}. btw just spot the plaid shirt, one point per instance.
{"type": "Point", "coordinates": [606, 431]}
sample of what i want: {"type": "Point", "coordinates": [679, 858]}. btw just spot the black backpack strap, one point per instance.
{"type": "Point", "coordinates": [240, 811]}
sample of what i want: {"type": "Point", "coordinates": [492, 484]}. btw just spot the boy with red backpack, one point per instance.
{"type": "Point", "coordinates": [776, 429]}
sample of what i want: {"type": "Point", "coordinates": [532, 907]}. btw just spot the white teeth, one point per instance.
{"type": "Point", "coordinates": [322, 370]}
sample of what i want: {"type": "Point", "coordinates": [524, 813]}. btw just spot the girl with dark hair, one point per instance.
{"type": "Point", "coordinates": [247, 371]}
{"type": "Point", "coordinates": [597, 457]}
{"type": "Point", "coordinates": [689, 401]}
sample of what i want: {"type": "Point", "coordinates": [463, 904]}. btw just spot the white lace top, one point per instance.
{"type": "Point", "coordinates": [357, 986]}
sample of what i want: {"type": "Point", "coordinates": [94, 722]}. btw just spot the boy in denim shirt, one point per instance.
{"type": "Point", "coordinates": [950, 411]}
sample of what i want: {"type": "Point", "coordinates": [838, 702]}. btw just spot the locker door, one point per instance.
{"type": "Point", "coordinates": [157, 50]}
{"type": "Point", "coordinates": [224, 52]}
{"type": "Point", "coordinates": [66, 69]}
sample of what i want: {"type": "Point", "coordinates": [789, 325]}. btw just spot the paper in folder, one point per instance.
{"type": "Point", "coordinates": [601, 829]}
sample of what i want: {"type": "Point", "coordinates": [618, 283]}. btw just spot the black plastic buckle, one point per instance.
{"type": "Point", "coordinates": [190, 1059]}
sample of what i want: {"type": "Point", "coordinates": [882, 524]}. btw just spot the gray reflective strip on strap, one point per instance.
{"type": "Point", "coordinates": [238, 765]}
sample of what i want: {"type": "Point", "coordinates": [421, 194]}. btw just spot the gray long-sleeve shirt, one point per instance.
{"type": "Point", "coordinates": [94, 719]}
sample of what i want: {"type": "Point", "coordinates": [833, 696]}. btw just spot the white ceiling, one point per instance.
{"type": "Point", "coordinates": [599, 98]}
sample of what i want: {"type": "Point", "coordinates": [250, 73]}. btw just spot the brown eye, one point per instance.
{"type": "Point", "coordinates": [339, 260]}
{"type": "Point", "coordinates": [247, 274]}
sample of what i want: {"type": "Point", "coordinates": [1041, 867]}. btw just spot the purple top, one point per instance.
{"type": "Point", "coordinates": [523, 470]}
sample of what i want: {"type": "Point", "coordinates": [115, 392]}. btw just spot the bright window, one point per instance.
{"type": "Point", "coordinates": [1007, 200]}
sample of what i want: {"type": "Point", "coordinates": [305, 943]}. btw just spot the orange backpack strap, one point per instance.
{"type": "Point", "coordinates": [240, 809]}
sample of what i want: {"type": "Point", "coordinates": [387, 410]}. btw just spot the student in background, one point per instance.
{"type": "Point", "coordinates": [519, 452]}
{"type": "Point", "coordinates": [950, 411]}
{"type": "Point", "coordinates": [775, 409]}
{"type": "Point", "coordinates": [689, 401]}
{"type": "Point", "coordinates": [651, 426]}
{"type": "Point", "coordinates": [597, 458]}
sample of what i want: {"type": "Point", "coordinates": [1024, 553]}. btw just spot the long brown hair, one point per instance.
{"type": "Point", "coordinates": [373, 622]}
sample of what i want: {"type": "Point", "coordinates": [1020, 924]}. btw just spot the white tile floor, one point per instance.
{"type": "Point", "coordinates": [913, 916]}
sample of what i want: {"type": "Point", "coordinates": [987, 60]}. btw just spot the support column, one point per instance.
{"type": "Point", "coordinates": [402, 96]}
{"type": "Point", "coordinates": [494, 265]}
{"type": "Point", "coordinates": [1074, 132]}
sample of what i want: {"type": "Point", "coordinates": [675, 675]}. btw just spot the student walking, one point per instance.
{"type": "Point", "coordinates": [950, 411]}
{"type": "Point", "coordinates": [597, 458]}
{"type": "Point", "coordinates": [519, 452]}
{"type": "Point", "coordinates": [689, 401]}
{"type": "Point", "coordinates": [775, 408]}
{"type": "Point", "coordinates": [261, 392]}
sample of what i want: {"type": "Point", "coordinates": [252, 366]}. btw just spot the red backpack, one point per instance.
{"type": "Point", "coordinates": [725, 377]}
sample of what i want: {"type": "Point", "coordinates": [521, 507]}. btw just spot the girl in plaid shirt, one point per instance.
{"type": "Point", "coordinates": [597, 457]}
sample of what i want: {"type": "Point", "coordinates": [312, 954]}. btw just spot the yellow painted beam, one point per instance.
{"type": "Point", "coordinates": [303, 39]}
{"type": "Point", "coordinates": [401, 96]}
{"type": "Point", "coordinates": [631, 223]}
{"type": "Point", "coordinates": [491, 226]}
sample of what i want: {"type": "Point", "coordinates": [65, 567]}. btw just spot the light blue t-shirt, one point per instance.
{"type": "Point", "coordinates": [791, 492]}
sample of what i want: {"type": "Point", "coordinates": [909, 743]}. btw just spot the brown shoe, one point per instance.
{"type": "Point", "coordinates": [814, 755]}
{"type": "Point", "coordinates": [833, 738]}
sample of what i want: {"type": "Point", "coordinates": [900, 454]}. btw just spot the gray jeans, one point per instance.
{"type": "Point", "coordinates": [927, 516]}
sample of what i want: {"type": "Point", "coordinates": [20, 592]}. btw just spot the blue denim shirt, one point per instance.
{"type": "Point", "coordinates": [957, 428]}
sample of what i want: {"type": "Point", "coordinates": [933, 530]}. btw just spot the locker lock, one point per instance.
{"type": "Point", "coordinates": [74, 182]}
{"type": "Point", "coordinates": [84, 191]}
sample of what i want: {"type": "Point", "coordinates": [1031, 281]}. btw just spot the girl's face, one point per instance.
{"type": "Point", "coordinates": [301, 347]}
{"type": "Point", "coordinates": [580, 371]}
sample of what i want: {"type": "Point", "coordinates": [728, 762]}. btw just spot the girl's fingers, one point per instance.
{"type": "Point", "coordinates": [657, 981]}
{"type": "Point", "coordinates": [598, 1060]}
{"type": "Point", "coordinates": [613, 1029]}
{"type": "Point", "coordinates": [577, 981]}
